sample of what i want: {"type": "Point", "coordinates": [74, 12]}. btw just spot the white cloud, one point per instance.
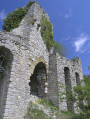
{"type": "Point", "coordinates": [80, 42]}
{"type": "Point", "coordinates": [68, 38]}
{"type": "Point", "coordinates": [66, 15]}
{"type": "Point", "coordinates": [69, 14]}
{"type": "Point", "coordinates": [2, 14]}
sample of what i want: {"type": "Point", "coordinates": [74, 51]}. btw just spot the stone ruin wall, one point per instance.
{"type": "Point", "coordinates": [26, 48]}
{"type": "Point", "coordinates": [57, 67]}
{"type": "Point", "coordinates": [73, 67]}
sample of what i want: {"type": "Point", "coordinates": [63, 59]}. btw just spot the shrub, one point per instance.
{"type": "Point", "coordinates": [46, 32]}
{"type": "Point", "coordinates": [13, 19]}
{"type": "Point", "coordinates": [35, 113]}
{"type": "Point", "coordinates": [29, 4]}
{"type": "Point", "coordinates": [59, 48]}
{"type": "Point", "coordinates": [83, 92]}
{"type": "Point", "coordinates": [47, 35]}
{"type": "Point", "coordinates": [82, 98]}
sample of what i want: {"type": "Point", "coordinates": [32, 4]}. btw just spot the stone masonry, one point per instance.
{"type": "Point", "coordinates": [26, 63]}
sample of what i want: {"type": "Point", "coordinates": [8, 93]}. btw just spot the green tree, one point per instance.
{"type": "Point", "coordinates": [83, 92]}
{"type": "Point", "coordinates": [88, 67]}
{"type": "Point", "coordinates": [60, 48]}
{"type": "Point", "coordinates": [81, 96]}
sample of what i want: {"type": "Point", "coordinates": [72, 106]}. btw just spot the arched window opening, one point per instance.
{"type": "Point", "coordinates": [6, 58]}
{"type": "Point", "coordinates": [77, 78]}
{"type": "Point", "coordinates": [78, 84]}
{"type": "Point", "coordinates": [38, 80]}
{"type": "Point", "coordinates": [68, 89]}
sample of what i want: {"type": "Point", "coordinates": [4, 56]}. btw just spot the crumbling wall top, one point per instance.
{"type": "Point", "coordinates": [30, 21]}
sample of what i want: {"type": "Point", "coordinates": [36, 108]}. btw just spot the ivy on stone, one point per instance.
{"type": "Point", "coordinates": [46, 32]}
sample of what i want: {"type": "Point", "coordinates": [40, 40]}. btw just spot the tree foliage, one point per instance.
{"type": "Point", "coordinates": [83, 98]}
{"type": "Point", "coordinates": [59, 48]}
{"type": "Point", "coordinates": [13, 19]}
{"type": "Point", "coordinates": [88, 67]}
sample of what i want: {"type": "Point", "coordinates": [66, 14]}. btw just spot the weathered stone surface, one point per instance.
{"type": "Point", "coordinates": [23, 49]}
{"type": "Point", "coordinates": [57, 85]}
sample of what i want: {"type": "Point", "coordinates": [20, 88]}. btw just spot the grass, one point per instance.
{"type": "Point", "coordinates": [54, 109]}
{"type": "Point", "coordinates": [35, 113]}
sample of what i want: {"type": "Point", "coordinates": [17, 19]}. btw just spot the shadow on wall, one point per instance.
{"type": "Point", "coordinates": [6, 58]}
{"type": "Point", "coordinates": [38, 80]}
{"type": "Point", "coordinates": [70, 105]}
{"type": "Point", "coordinates": [77, 78]}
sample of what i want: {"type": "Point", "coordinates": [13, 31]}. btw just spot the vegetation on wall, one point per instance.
{"type": "Point", "coordinates": [75, 59]}
{"type": "Point", "coordinates": [47, 35]}
{"type": "Point", "coordinates": [44, 109]}
{"type": "Point", "coordinates": [13, 19]}
{"type": "Point", "coordinates": [29, 4]}
{"type": "Point", "coordinates": [60, 48]}
{"type": "Point", "coordinates": [37, 108]}
{"type": "Point", "coordinates": [46, 32]}
{"type": "Point", "coordinates": [35, 113]}
{"type": "Point", "coordinates": [81, 96]}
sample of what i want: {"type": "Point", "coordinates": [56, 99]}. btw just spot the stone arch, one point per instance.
{"type": "Point", "coordinates": [68, 86]}
{"type": "Point", "coordinates": [6, 58]}
{"type": "Point", "coordinates": [35, 62]}
{"type": "Point", "coordinates": [77, 78]}
{"type": "Point", "coordinates": [38, 80]}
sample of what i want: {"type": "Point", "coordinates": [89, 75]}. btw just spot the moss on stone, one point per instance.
{"type": "Point", "coordinates": [29, 4]}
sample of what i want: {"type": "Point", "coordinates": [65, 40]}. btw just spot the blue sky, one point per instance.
{"type": "Point", "coordinates": [71, 24]}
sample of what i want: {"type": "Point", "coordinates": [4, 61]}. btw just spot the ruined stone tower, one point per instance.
{"type": "Point", "coordinates": [28, 68]}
